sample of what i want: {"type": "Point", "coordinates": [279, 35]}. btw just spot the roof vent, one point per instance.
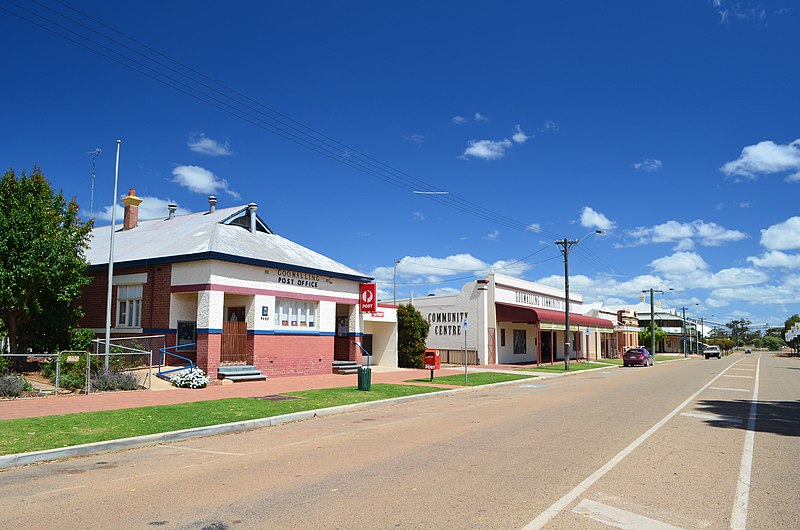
{"type": "Point", "coordinates": [252, 207]}
{"type": "Point", "coordinates": [212, 204]}
{"type": "Point", "coordinates": [172, 207]}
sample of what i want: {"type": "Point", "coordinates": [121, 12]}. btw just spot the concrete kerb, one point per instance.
{"type": "Point", "coordinates": [20, 459]}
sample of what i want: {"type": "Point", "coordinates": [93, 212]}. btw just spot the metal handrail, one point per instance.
{"type": "Point", "coordinates": [164, 353]}
{"type": "Point", "coordinates": [365, 352]}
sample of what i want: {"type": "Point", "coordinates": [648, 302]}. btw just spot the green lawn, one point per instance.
{"type": "Point", "coordinates": [474, 379]}
{"type": "Point", "coordinates": [558, 368]}
{"type": "Point", "coordinates": [49, 432]}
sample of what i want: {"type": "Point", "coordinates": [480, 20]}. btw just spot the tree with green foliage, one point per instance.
{"type": "Point", "coordinates": [772, 343]}
{"type": "Point", "coordinates": [739, 329]}
{"type": "Point", "coordinates": [42, 262]}
{"type": "Point", "coordinates": [412, 335]}
{"type": "Point", "coordinates": [644, 337]}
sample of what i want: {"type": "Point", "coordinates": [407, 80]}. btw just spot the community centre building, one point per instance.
{"type": "Point", "coordinates": [504, 320]}
{"type": "Point", "coordinates": [228, 290]}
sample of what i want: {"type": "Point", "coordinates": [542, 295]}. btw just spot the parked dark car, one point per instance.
{"type": "Point", "coordinates": [637, 357]}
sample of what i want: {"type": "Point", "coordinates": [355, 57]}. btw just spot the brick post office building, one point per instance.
{"type": "Point", "coordinates": [224, 281]}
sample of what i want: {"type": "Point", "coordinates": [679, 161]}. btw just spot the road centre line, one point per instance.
{"type": "Point", "coordinates": [729, 389]}
{"type": "Point", "coordinates": [618, 518]}
{"type": "Point", "coordinates": [712, 417]}
{"type": "Point", "coordinates": [559, 506]}
{"type": "Point", "coordinates": [742, 500]}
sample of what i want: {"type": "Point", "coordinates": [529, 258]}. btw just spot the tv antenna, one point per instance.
{"type": "Point", "coordinates": [94, 154]}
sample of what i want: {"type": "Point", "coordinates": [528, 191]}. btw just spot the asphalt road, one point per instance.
{"type": "Point", "coordinates": [678, 445]}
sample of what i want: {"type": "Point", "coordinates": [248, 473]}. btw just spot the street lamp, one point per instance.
{"type": "Point", "coordinates": [565, 245]}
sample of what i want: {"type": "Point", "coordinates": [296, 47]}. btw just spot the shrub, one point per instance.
{"type": "Point", "coordinates": [191, 378]}
{"type": "Point", "coordinates": [110, 381]}
{"type": "Point", "coordinates": [72, 380]}
{"type": "Point", "coordinates": [11, 386]}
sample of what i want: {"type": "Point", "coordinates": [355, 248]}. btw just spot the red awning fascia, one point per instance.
{"type": "Point", "coordinates": [558, 317]}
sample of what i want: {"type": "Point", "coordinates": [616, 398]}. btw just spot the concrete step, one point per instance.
{"type": "Point", "coordinates": [241, 378]}
{"type": "Point", "coordinates": [235, 368]}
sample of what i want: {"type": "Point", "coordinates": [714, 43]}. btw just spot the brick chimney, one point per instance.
{"type": "Point", "coordinates": [131, 203]}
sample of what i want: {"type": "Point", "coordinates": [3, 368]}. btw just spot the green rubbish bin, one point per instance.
{"type": "Point", "coordinates": [364, 378]}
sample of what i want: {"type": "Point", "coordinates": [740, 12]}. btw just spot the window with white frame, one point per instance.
{"type": "Point", "coordinates": [295, 313]}
{"type": "Point", "coordinates": [129, 306]}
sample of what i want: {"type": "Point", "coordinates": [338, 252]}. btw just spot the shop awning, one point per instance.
{"type": "Point", "coordinates": [515, 313]}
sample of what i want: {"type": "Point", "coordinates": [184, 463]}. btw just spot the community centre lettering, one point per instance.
{"type": "Point", "coordinates": [447, 323]}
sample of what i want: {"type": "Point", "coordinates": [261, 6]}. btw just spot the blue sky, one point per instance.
{"type": "Point", "coordinates": [672, 125]}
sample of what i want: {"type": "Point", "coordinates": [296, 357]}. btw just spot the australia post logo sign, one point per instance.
{"type": "Point", "coordinates": [368, 297]}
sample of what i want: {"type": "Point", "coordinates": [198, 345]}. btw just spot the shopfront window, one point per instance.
{"type": "Point", "coordinates": [519, 342]}
{"type": "Point", "coordinates": [129, 306]}
{"type": "Point", "coordinates": [295, 313]}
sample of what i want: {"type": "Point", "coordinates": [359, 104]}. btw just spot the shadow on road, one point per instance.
{"type": "Point", "coordinates": [777, 417]}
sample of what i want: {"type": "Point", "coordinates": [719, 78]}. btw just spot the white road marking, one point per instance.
{"type": "Point", "coordinates": [200, 450]}
{"type": "Point", "coordinates": [59, 490]}
{"type": "Point", "coordinates": [741, 376]}
{"type": "Point", "coordinates": [742, 500]}
{"type": "Point", "coordinates": [558, 506]}
{"type": "Point", "coordinates": [713, 417]}
{"type": "Point", "coordinates": [610, 516]}
{"type": "Point", "coordinates": [729, 389]}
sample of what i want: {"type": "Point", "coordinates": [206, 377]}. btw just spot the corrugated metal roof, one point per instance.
{"type": "Point", "coordinates": [195, 235]}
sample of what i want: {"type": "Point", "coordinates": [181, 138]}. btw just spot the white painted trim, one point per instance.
{"type": "Point", "coordinates": [127, 279]}
{"type": "Point", "coordinates": [611, 516]}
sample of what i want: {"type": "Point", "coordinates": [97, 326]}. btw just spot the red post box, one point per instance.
{"type": "Point", "coordinates": [431, 359]}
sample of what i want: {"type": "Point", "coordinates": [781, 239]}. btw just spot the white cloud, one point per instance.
{"type": "Point", "coordinates": [549, 126]}
{"type": "Point", "coordinates": [201, 180]}
{"type": "Point", "coordinates": [458, 120]}
{"type": "Point", "coordinates": [418, 216]}
{"type": "Point", "coordinates": [492, 236]}
{"type": "Point", "coordinates": [765, 158]}
{"type": "Point", "coordinates": [593, 219]}
{"type": "Point", "coordinates": [679, 263]}
{"type": "Point", "coordinates": [150, 208]}
{"type": "Point", "coordinates": [200, 143]}
{"type": "Point", "coordinates": [487, 149]}
{"type": "Point", "coordinates": [415, 139]}
{"type": "Point", "coordinates": [685, 234]}
{"type": "Point", "coordinates": [534, 227]}
{"type": "Point", "coordinates": [480, 117]}
{"type": "Point", "coordinates": [782, 236]}
{"type": "Point", "coordinates": [425, 270]}
{"type": "Point", "coordinates": [519, 136]}
{"type": "Point", "coordinates": [648, 164]}
{"type": "Point", "coordinates": [776, 258]}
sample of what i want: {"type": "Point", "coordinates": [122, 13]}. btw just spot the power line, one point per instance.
{"type": "Point", "coordinates": [272, 121]}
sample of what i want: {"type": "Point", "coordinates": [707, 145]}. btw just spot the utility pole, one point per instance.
{"type": "Point", "coordinates": [394, 283]}
{"type": "Point", "coordinates": [683, 330]}
{"type": "Point", "coordinates": [653, 321]}
{"type": "Point", "coordinates": [565, 245]}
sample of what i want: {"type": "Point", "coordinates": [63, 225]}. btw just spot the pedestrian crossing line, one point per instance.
{"type": "Point", "coordinates": [618, 518]}
{"type": "Point", "coordinates": [712, 417]}
{"type": "Point", "coordinates": [740, 376]}
{"type": "Point", "coordinates": [729, 389]}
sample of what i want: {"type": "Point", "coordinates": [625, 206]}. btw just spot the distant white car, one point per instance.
{"type": "Point", "coordinates": [712, 351]}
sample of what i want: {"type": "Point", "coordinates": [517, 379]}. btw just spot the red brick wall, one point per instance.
{"type": "Point", "coordinates": [287, 355]}
{"type": "Point", "coordinates": [155, 298]}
